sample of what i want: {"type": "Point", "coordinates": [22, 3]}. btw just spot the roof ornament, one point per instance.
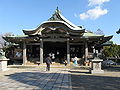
{"type": "Point", "coordinates": [118, 32]}
{"type": "Point", "coordinates": [57, 10]}
{"type": "Point", "coordinates": [55, 16]}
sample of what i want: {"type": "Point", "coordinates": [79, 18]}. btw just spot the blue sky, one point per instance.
{"type": "Point", "coordinates": [16, 15]}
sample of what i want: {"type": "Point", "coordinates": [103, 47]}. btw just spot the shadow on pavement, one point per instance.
{"type": "Point", "coordinates": [41, 80]}
{"type": "Point", "coordinates": [93, 82]}
{"type": "Point", "coordinates": [111, 68]}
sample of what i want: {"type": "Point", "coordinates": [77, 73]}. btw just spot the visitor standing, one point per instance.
{"type": "Point", "coordinates": [65, 62]}
{"type": "Point", "coordinates": [48, 62]}
{"type": "Point", "coordinates": [75, 60]}
{"type": "Point", "coordinates": [53, 57]}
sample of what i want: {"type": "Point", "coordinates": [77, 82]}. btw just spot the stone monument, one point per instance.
{"type": "Point", "coordinates": [3, 61]}
{"type": "Point", "coordinates": [96, 65]}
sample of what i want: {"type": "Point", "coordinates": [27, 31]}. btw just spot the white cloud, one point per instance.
{"type": "Point", "coordinates": [93, 13]}
{"type": "Point", "coordinates": [84, 16]}
{"type": "Point", "coordinates": [96, 12]}
{"type": "Point", "coordinates": [97, 2]}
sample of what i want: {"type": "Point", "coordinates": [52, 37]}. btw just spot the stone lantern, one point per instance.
{"type": "Point", "coordinates": [96, 65]}
{"type": "Point", "coordinates": [3, 61]}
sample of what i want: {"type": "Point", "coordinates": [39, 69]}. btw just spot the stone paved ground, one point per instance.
{"type": "Point", "coordinates": [35, 79]}
{"type": "Point", "coordinates": [57, 79]}
{"type": "Point", "coordinates": [83, 80]}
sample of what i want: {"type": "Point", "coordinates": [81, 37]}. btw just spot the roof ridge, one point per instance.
{"type": "Point", "coordinates": [57, 16]}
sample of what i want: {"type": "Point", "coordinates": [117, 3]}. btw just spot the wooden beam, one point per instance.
{"type": "Point", "coordinates": [77, 43]}
{"type": "Point", "coordinates": [33, 44]}
{"type": "Point", "coordinates": [55, 40]}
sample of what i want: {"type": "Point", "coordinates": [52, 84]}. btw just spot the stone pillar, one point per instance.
{"type": "Point", "coordinates": [41, 51]}
{"type": "Point", "coordinates": [86, 50]}
{"type": "Point", "coordinates": [68, 51]}
{"type": "Point", "coordinates": [3, 61]}
{"type": "Point", "coordinates": [24, 54]}
{"type": "Point", "coordinates": [3, 64]}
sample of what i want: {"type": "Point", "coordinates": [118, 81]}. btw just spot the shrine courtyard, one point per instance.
{"type": "Point", "coordinates": [59, 78]}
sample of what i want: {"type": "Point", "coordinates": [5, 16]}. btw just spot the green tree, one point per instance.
{"type": "Point", "coordinates": [112, 51]}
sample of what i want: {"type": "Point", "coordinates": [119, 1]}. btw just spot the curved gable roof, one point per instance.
{"type": "Point", "coordinates": [56, 18]}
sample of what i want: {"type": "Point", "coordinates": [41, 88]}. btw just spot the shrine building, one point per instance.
{"type": "Point", "coordinates": [56, 36]}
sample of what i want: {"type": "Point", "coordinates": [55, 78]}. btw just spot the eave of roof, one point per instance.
{"type": "Point", "coordinates": [91, 34]}
{"type": "Point", "coordinates": [108, 43]}
{"type": "Point", "coordinates": [33, 32]}
{"type": "Point", "coordinates": [68, 25]}
{"type": "Point", "coordinates": [17, 36]}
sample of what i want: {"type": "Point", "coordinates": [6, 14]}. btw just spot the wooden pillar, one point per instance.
{"type": "Point", "coordinates": [24, 54]}
{"type": "Point", "coordinates": [41, 51]}
{"type": "Point", "coordinates": [68, 51]}
{"type": "Point", "coordinates": [93, 49]}
{"type": "Point", "coordinates": [86, 50]}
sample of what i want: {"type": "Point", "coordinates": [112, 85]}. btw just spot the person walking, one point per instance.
{"type": "Point", "coordinates": [48, 62]}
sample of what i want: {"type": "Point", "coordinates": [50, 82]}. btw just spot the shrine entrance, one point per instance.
{"type": "Point", "coordinates": [76, 50]}
{"type": "Point", "coordinates": [57, 51]}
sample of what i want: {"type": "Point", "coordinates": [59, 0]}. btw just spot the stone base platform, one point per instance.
{"type": "Point", "coordinates": [97, 71]}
